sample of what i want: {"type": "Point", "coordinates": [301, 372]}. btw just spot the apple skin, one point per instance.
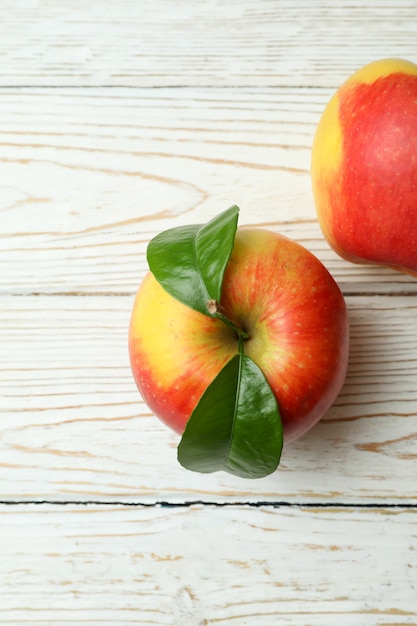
{"type": "Point", "coordinates": [287, 301]}
{"type": "Point", "coordinates": [364, 166]}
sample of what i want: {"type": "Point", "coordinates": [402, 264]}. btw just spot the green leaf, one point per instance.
{"type": "Point", "coordinates": [236, 426]}
{"type": "Point", "coordinates": [189, 261]}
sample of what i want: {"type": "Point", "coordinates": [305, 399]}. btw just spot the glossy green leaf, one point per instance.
{"type": "Point", "coordinates": [236, 426]}
{"type": "Point", "coordinates": [189, 261]}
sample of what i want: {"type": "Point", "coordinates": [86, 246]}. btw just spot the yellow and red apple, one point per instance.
{"type": "Point", "coordinates": [364, 166]}
{"type": "Point", "coordinates": [288, 304]}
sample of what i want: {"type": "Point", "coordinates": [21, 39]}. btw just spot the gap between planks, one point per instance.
{"type": "Point", "coordinates": [163, 504]}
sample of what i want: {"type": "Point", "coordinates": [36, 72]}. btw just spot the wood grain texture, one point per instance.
{"type": "Point", "coordinates": [74, 426]}
{"type": "Point", "coordinates": [88, 177]}
{"type": "Point", "coordinates": [203, 566]}
{"type": "Point", "coordinates": [118, 120]}
{"type": "Point", "coordinates": [210, 43]}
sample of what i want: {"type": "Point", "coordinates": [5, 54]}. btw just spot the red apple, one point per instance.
{"type": "Point", "coordinates": [292, 310]}
{"type": "Point", "coordinates": [364, 166]}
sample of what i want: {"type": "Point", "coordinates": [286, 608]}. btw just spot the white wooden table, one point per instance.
{"type": "Point", "coordinates": [118, 120]}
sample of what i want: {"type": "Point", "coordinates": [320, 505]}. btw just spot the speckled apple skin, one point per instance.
{"type": "Point", "coordinates": [297, 321]}
{"type": "Point", "coordinates": [364, 166]}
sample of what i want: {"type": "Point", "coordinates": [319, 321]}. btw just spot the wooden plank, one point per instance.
{"type": "Point", "coordinates": [184, 43]}
{"type": "Point", "coordinates": [73, 426]}
{"type": "Point", "coordinates": [88, 177]}
{"type": "Point", "coordinates": [207, 565]}
{"type": "Point", "coordinates": [118, 120]}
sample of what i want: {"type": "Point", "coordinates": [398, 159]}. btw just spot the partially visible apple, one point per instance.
{"type": "Point", "coordinates": [292, 310]}
{"type": "Point", "coordinates": [364, 166]}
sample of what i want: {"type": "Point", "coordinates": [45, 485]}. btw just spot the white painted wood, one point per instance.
{"type": "Point", "coordinates": [74, 426]}
{"type": "Point", "coordinates": [88, 177]}
{"type": "Point", "coordinates": [117, 120]}
{"type": "Point", "coordinates": [202, 566]}
{"type": "Point", "coordinates": [181, 43]}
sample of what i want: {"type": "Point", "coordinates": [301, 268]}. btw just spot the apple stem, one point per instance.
{"type": "Point", "coordinates": [216, 309]}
